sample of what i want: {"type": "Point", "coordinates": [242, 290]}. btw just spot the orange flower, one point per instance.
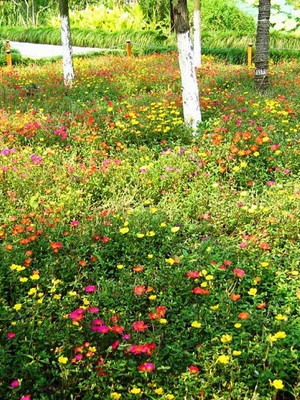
{"type": "Point", "coordinates": [244, 315]}
{"type": "Point", "coordinates": [264, 246]}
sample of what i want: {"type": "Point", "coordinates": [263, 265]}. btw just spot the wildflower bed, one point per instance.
{"type": "Point", "coordinates": [136, 260]}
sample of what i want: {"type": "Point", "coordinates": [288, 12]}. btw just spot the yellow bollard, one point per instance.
{"type": "Point", "coordinates": [250, 54]}
{"type": "Point", "coordinates": [8, 53]}
{"type": "Point", "coordinates": [128, 48]}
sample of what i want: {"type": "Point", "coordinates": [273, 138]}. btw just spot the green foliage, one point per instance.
{"type": "Point", "coordinates": [224, 16]}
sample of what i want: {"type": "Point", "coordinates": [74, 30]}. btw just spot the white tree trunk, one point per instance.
{"type": "Point", "coordinates": [197, 38]}
{"type": "Point", "coordinates": [68, 69]}
{"type": "Point", "coordinates": [190, 91]}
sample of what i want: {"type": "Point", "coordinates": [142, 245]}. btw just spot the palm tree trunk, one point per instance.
{"type": "Point", "coordinates": [261, 78]}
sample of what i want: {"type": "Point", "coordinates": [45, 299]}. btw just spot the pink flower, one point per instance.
{"type": "Point", "coordinates": [93, 309]}
{"type": "Point", "coordinates": [139, 290]}
{"type": "Point", "coordinates": [26, 397]}
{"type": "Point", "coordinates": [240, 273]}
{"type": "Point", "coordinates": [74, 222]}
{"type": "Point", "coordinates": [10, 335]}
{"type": "Point", "coordinates": [146, 367]}
{"type": "Point", "coordinates": [90, 289]}
{"type": "Point", "coordinates": [264, 246]}
{"type": "Point", "coordinates": [15, 383]}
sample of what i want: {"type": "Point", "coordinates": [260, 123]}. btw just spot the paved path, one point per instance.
{"type": "Point", "coordinates": [38, 51]}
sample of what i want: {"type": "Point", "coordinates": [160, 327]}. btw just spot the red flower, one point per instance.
{"type": "Point", "coordinates": [117, 329]}
{"type": "Point", "coordinates": [200, 290]}
{"type": "Point", "coordinates": [146, 367]}
{"type": "Point", "coordinates": [193, 274]}
{"type": "Point", "coordinates": [56, 246]}
{"type": "Point", "coordinates": [140, 326]}
{"type": "Point", "coordinates": [193, 369]}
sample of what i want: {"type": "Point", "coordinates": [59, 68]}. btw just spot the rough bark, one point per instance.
{"type": "Point", "coordinates": [68, 69]}
{"type": "Point", "coordinates": [262, 45]}
{"type": "Point", "coordinates": [190, 91]}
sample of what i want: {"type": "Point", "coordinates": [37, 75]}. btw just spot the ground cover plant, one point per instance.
{"type": "Point", "coordinates": [138, 262]}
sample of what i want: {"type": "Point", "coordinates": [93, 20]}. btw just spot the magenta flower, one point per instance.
{"type": "Point", "coordinates": [10, 335]}
{"type": "Point", "coordinates": [26, 397]}
{"type": "Point", "coordinates": [74, 222]}
{"type": "Point", "coordinates": [15, 383]}
{"type": "Point", "coordinates": [90, 289]}
{"type": "Point", "coordinates": [100, 328]}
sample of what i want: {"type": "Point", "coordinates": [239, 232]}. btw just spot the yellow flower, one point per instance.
{"type": "Point", "coordinates": [264, 264]}
{"type": "Point", "coordinates": [150, 233]}
{"type": "Point", "coordinates": [153, 210]}
{"type": "Point", "coordinates": [281, 317]}
{"type": "Point", "coordinates": [226, 338]}
{"type": "Point", "coordinates": [18, 268]}
{"type": "Point", "coordinates": [175, 229]}
{"type": "Point", "coordinates": [204, 284]}
{"type": "Point", "coordinates": [159, 390]}
{"type": "Point", "coordinates": [140, 235]}
{"type": "Point", "coordinates": [223, 359]}
{"type": "Point", "coordinates": [152, 297]}
{"type": "Point", "coordinates": [57, 296]}
{"type": "Point", "coordinates": [124, 230]}
{"type": "Point", "coordinates": [17, 306]}
{"type": "Point", "coordinates": [252, 291]}
{"type": "Point", "coordinates": [163, 225]}
{"type": "Point", "coordinates": [115, 395]}
{"type": "Point", "coordinates": [93, 349]}
{"type": "Point", "coordinates": [62, 360]}
{"type": "Point", "coordinates": [170, 261]}
{"type": "Point", "coordinates": [214, 308]}
{"type": "Point", "coordinates": [72, 293]}
{"type": "Point", "coordinates": [32, 291]}
{"type": "Point", "coordinates": [169, 396]}
{"type": "Point", "coordinates": [271, 338]}
{"type": "Point", "coordinates": [163, 321]}
{"type": "Point", "coordinates": [135, 390]}
{"type": "Point", "coordinates": [150, 255]}
{"type": "Point", "coordinates": [280, 335]}
{"type": "Point", "coordinates": [86, 302]}
{"type": "Point", "coordinates": [209, 277]}
{"type": "Point", "coordinates": [278, 384]}
{"type": "Point", "coordinates": [196, 324]}
{"type": "Point", "coordinates": [120, 266]}
{"type": "Point", "coordinates": [237, 325]}
{"type": "Point", "coordinates": [23, 279]}
{"type": "Point", "coordinates": [35, 277]}
{"type": "Point", "coordinates": [236, 353]}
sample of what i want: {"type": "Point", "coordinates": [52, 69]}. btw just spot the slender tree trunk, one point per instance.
{"type": "Point", "coordinates": [261, 78]}
{"type": "Point", "coordinates": [197, 33]}
{"type": "Point", "coordinates": [68, 69]}
{"type": "Point", "coordinates": [190, 91]}
{"type": "Point", "coordinates": [171, 16]}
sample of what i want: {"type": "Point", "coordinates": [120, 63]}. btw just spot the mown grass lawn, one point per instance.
{"type": "Point", "coordinates": [137, 261]}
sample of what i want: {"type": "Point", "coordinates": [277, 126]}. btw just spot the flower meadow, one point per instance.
{"type": "Point", "coordinates": [138, 261]}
